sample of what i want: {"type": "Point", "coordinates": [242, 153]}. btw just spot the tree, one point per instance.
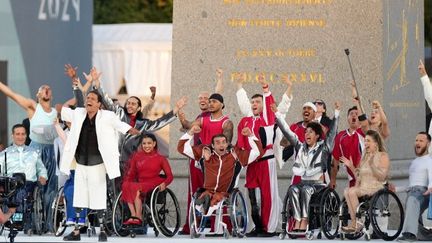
{"type": "Point", "coordinates": [133, 11]}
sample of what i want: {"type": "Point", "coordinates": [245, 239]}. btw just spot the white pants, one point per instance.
{"type": "Point", "coordinates": [90, 190]}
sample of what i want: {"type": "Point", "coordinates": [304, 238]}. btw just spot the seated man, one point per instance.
{"type": "Point", "coordinates": [220, 165]}
{"type": "Point", "coordinates": [420, 179]}
{"type": "Point", "coordinates": [20, 158]}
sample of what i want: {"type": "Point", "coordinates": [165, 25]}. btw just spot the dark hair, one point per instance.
{"type": "Point", "coordinates": [139, 113]}
{"type": "Point", "coordinates": [220, 135]}
{"type": "Point", "coordinates": [427, 135]}
{"type": "Point", "coordinates": [351, 109]}
{"type": "Point", "coordinates": [18, 126]}
{"type": "Point", "coordinates": [377, 138]}
{"type": "Point", "coordinates": [147, 135]}
{"type": "Point", "coordinates": [256, 96]}
{"type": "Point", "coordinates": [99, 96]}
{"type": "Point", "coordinates": [316, 127]}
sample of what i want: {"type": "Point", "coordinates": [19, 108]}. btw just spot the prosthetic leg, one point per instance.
{"type": "Point", "coordinates": [256, 217]}
{"type": "Point", "coordinates": [101, 217]}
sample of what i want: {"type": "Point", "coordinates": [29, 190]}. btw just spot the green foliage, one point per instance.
{"type": "Point", "coordinates": [133, 11]}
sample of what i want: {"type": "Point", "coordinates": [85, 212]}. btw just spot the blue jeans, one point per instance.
{"type": "Point", "coordinates": [50, 189]}
{"type": "Point", "coordinates": [68, 194]}
{"type": "Point", "coordinates": [416, 202]}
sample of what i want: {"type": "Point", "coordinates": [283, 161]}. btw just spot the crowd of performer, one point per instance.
{"type": "Point", "coordinates": [91, 136]}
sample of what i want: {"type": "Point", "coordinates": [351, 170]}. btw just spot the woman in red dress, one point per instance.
{"type": "Point", "coordinates": [143, 176]}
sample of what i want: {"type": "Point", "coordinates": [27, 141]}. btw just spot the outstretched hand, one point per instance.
{"type": "Point", "coordinates": [206, 152]}
{"type": "Point", "coordinates": [219, 73]}
{"type": "Point", "coordinates": [70, 71]}
{"type": "Point", "coordinates": [180, 104]}
{"type": "Point", "coordinates": [337, 105]}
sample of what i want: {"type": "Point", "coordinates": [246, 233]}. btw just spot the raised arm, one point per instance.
{"type": "Point", "coordinates": [219, 81]}
{"type": "Point", "coordinates": [268, 101]}
{"type": "Point", "coordinates": [242, 97]}
{"type": "Point", "coordinates": [228, 128]}
{"type": "Point", "coordinates": [333, 128]}
{"type": "Point", "coordinates": [248, 156]}
{"type": "Point", "coordinates": [149, 106]}
{"type": "Point", "coordinates": [287, 97]}
{"type": "Point", "coordinates": [285, 129]}
{"type": "Point", "coordinates": [184, 145]}
{"type": "Point", "coordinates": [28, 105]}
{"type": "Point", "coordinates": [427, 86]}
{"type": "Point", "coordinates": [385, 131]}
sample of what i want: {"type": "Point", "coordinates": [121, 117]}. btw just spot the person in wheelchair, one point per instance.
{"type": "Point", "coordinates": [420, 186]}
{"type": "Point", "coordinates": [143, 176]}
{"type": "Point", "coordinates": [220, 165]}
{"type": "Point", "coordinates": [310, 163]}
{"type": "Point", "coordinates": [20, 158]}
{"type": "Point", "coordinates": [370, 176]}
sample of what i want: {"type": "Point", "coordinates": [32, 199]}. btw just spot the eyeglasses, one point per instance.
{"type": "Point", "coordinates": [318, 103]}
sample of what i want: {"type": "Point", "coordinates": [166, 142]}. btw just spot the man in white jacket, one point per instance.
{"type": "Point", "coordinates": [93, 142]}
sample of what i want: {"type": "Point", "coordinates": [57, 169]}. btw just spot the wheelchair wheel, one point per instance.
{"type": "Point", "coordinates": [194, 221]}
{"type": "Point", "coordinates": [120, 212]}
{"type": "Point", "coordinates": [109, 209]}
{"type": "Point", "coordinates": [387, 215]}
{"type": "Point", "coordinates": [329, 213]}
{"type": "Point", "coordinates": [424, 228]}
{"type": "Point", "coordinates": [165, 211]}
{"type": "Point", "coordinates": [238, 213]}
{"type": "Point", "coordinates": [59, 213]}
{"type": "Point", "coordinates": [38, 211]}
{"type": "Point", "coordinates": [344, 217]}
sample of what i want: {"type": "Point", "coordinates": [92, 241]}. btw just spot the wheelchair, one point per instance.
{"type": "Point", "coordinates": [233, 206]}
{"type": "Point", "coordinates": [59, 214]}
{"type": "Point", "coordinates": [382, 213]}
{"type": "Point", "coordinates": [323, 216]}
{"type": "Point", "coordinates": [161, 211]}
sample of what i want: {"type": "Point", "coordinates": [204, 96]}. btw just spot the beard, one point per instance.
{"type": "Point", "coordinates": [422, 151]}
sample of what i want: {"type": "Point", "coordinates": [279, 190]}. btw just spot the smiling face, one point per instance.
{"type": "Point", "coordinates": [371, 146]}
{"type": "Point", "coordinates": [19, 136]}
{"type": "Point", "coordinates": [92, 103]}
{"type": "Point", "coordinates": [132, 106]}
{"type": "Point", "coordinates": [308, 114]}
{"type": "Point", "coordinates": [44, 93]}
{"type": "Point", "coordinates": [421, 144]}
{"type": "Point", "coordinates": [257, 105]}
{"type": "Point", "coordinates": [203, 101]}
{"type": "Point", "coordinates": [148, 145]}
{"type": "Point", "coordinates": [220, 145]}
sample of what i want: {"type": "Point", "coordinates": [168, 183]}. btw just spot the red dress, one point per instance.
{"type": "Point", "coordinates": [143, 174]}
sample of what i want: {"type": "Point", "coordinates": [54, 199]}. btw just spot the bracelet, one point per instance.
{"type": "Point", "coordinates": [362, 117]}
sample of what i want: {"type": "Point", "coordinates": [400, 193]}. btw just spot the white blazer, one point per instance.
{"type": "Point", "coordinates": [107, 126]}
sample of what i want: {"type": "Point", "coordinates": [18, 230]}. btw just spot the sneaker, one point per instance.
{"type": "Point", "coordinates": [72, 236]}
{"type": "Point", "coordinates": [407, 237]}
{"type": "Point", "coordinates": [103, 236]}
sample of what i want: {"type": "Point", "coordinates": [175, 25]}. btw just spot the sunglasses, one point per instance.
{"type": "Point", "coordinates": [318, 103]}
